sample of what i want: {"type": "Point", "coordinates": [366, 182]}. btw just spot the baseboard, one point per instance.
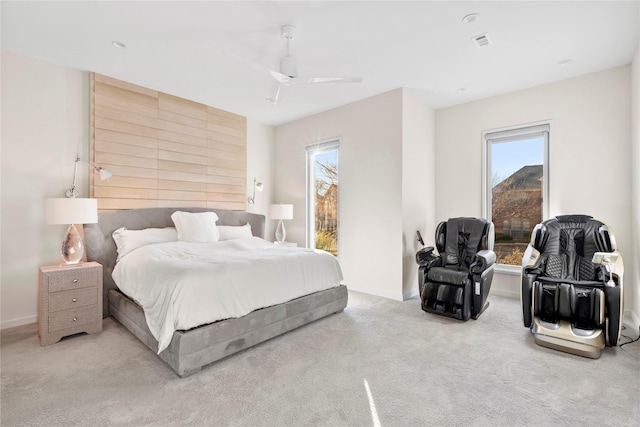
{"type": "Point", "coordinates": [18, 322]}
{"type": "Point", "coordinates": [411, 294]}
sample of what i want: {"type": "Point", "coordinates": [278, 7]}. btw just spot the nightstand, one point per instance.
{"type": "Point", "coordinates": [70, 301]}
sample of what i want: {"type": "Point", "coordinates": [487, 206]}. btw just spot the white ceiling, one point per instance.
{"type": "Point", "coordinates": [187, 49]}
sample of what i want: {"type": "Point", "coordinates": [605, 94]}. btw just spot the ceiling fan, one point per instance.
{"type": "Point", "coordinates": [288, 73]}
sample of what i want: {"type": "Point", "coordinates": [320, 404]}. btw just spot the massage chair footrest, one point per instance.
{"type": "Point", "coordinates": [581, 305]}
{"type": "Point", "coordinates": [445, 299]}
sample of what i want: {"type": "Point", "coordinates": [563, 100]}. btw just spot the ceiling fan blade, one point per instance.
{"type": "Point", "coordinates": [320, 80]}
{"type": "Point", "coordinates": [277, 97]}
{"type": "Point", "coordinates": [281, 78]}
{"type": "Point", "coordinates": [254, 65]}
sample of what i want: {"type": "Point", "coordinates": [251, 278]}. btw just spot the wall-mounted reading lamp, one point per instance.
{"type": "Point", "coordinates": [74, 210]}
{"type": "Point", "coordinates": [256, 186]}
{"type": "Point", "coordinates": [103, 173]}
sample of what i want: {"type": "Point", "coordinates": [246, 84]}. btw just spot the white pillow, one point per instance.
{"type": "Point", "coordinates": [196, 227]}
{"type": "Point", "coordinates": [128, 240]}
{"type": "Point", "coordinates": [229, 232]}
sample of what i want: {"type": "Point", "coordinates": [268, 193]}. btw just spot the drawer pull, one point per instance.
{"type": "Point", "coordinates": [75, 280]}
{"type": "Point", "coordinates": [74, 300]}
{"type": "Point", "coordinates": [75, 319]}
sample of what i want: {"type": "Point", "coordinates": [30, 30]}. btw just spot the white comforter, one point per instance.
{"type": "Point", "coordinates": [181, 285]}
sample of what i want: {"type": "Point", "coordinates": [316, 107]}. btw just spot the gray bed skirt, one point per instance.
{"type": "Point", "coordinates": [190, 350]}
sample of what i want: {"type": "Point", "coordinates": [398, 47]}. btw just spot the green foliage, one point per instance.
{"type": "Point", "coordinates": [327, 241]}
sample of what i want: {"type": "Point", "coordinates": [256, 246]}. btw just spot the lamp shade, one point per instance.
{"type": "Point", "coordinates": [71, 210]}
{"type": "Point", "coordinates": [103, 173]}
{"type": "Point", "coordinates": [281, 211]}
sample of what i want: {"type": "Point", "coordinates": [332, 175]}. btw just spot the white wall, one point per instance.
{"type": "Point", "coordinates": [370, 167]}
{"type": "Point", "coordinates": [590, 151]}
{"type": "Point", "coordinates": [45, 122]}
{"type": "Point", "coordinates": [418, 185]}
{"type": "Point", "coordinates": [386, 186]}
{"type": "Point", "coordinates": [260, 158]}
{"type": "Point", "coordinates": [632, 271]}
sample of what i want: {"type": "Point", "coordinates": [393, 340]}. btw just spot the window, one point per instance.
{"type": "Point", "coordinates": [323, 196]}
{"type": "Point", "coordinates": [516, 187]}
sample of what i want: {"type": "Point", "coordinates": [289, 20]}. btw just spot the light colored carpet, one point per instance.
{"type": "Point", "coordinates": [421, 369]}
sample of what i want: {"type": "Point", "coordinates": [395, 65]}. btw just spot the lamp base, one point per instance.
{"type": "Point", "coordinates": [72, 248]}
{"type": "Point", "coordinates": [281, 233]}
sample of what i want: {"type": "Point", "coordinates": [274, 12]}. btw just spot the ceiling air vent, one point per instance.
{"type": "Point", "coordinates": [482, 40]}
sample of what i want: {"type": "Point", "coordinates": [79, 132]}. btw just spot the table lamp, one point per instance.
{"type": "Point", "coordinates": [280, 212]}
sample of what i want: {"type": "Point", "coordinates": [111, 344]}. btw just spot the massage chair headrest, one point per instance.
{"type": "Point", "coordinates": [604, 239]}
{"type": "Point", "coordinates": [488, 232]}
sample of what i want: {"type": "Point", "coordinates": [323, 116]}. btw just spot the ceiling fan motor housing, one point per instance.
{"type": "Point", "coordinates": [289, 66]}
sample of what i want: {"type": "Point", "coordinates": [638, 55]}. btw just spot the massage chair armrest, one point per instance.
{"type": "Point", "coordinates": [610, 261]}
{"type": "Point", "coordinates": [482, 261]}
{"type": "Point", "coordinates": [425, 257]}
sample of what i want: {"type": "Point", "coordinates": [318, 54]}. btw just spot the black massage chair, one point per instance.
{"type": "Point", "coordinates": [571, 290]}
{"type": "Point", "coordinates": [456, 282]}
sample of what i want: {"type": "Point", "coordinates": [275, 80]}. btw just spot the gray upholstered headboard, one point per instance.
{"type": "Point", "coordinates": [101, 248]}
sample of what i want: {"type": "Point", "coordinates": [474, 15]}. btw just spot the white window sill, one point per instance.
{"type": "Point", "coordinates": [512, 270]}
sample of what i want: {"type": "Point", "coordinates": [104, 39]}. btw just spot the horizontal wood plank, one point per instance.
{"type": "Point", "coordinates": [169, 165]}
{"type": "Point", "coordinates": [238, 156]}
{"type": "Point", "coordinates": [232, 206]}
{"type": "Point", "coordinates": [227, 139]}
{"type": "Point", "coordinates": [225, 197]}
{"type": "Point", "coordinates": [130, 96]}
{"type": "Point", "coordinates": [118, 180]}
{"type": "Point", "coordinates": [127, 117]}
{"type": "Point", "coordinates": [182, 119]}
{"type": "Point", "coordinates": [124, 127]}
{"type": "Point", "coordinates": [126, 149]}
{"type": "Point", "coordinates": [182, 148]}
{"type": "Point", "coordinates": [181, 204]}
{"type": "Point", "coordinates": [130, 171]}
{"type": "Point", "coordinates": [125, 138]}
{"type": "Point", "coordinates": [120, 204]}
{"type": "Point", "coordinates": [182, 138]}
{"type": "Point", "coordinates": [125, 160]}
{"type": "Point", "coordinates": [182, 195]}
{"type": "Point", "coordinates": [238, 133]}
{"type": "Point", "coordinates": [165, 184]}
{"type": "Point", "coordinates": [110, 81]}
{"type": "Point", "coordinates": [125, 193]}
{"type": "Point", "coordinates": [182, 157]}
{"type": "Point", "coordinates": [119, 104]}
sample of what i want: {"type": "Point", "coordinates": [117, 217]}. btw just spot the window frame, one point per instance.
{"type": "Point", "coordinates": [332, 144]}
{"type": "Point", "coordinates": [513, 134]}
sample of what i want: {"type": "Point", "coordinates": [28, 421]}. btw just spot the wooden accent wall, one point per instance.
{"type": "Point", "coordinates": [164, 151]}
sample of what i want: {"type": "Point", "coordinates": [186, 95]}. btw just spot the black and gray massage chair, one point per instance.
{"type": "Point", "coordinates": [571, 290]}
{"type": "Point", "coordinates": [456, 282]}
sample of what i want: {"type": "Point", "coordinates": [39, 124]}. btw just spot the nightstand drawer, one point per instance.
{"type": "Point", "coordinates": [73, 279]}
{"type": "Point", "coordinates": [72, 318]}
{"type": "Point", "coordinates": [64, 300]}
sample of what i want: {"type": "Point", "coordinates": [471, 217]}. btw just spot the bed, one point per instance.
{"type": "Point", "coordinates": [188, 350]}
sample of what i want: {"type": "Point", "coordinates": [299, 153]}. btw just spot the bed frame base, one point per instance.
{"type": "Point", "coordinates": [190, 350]}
